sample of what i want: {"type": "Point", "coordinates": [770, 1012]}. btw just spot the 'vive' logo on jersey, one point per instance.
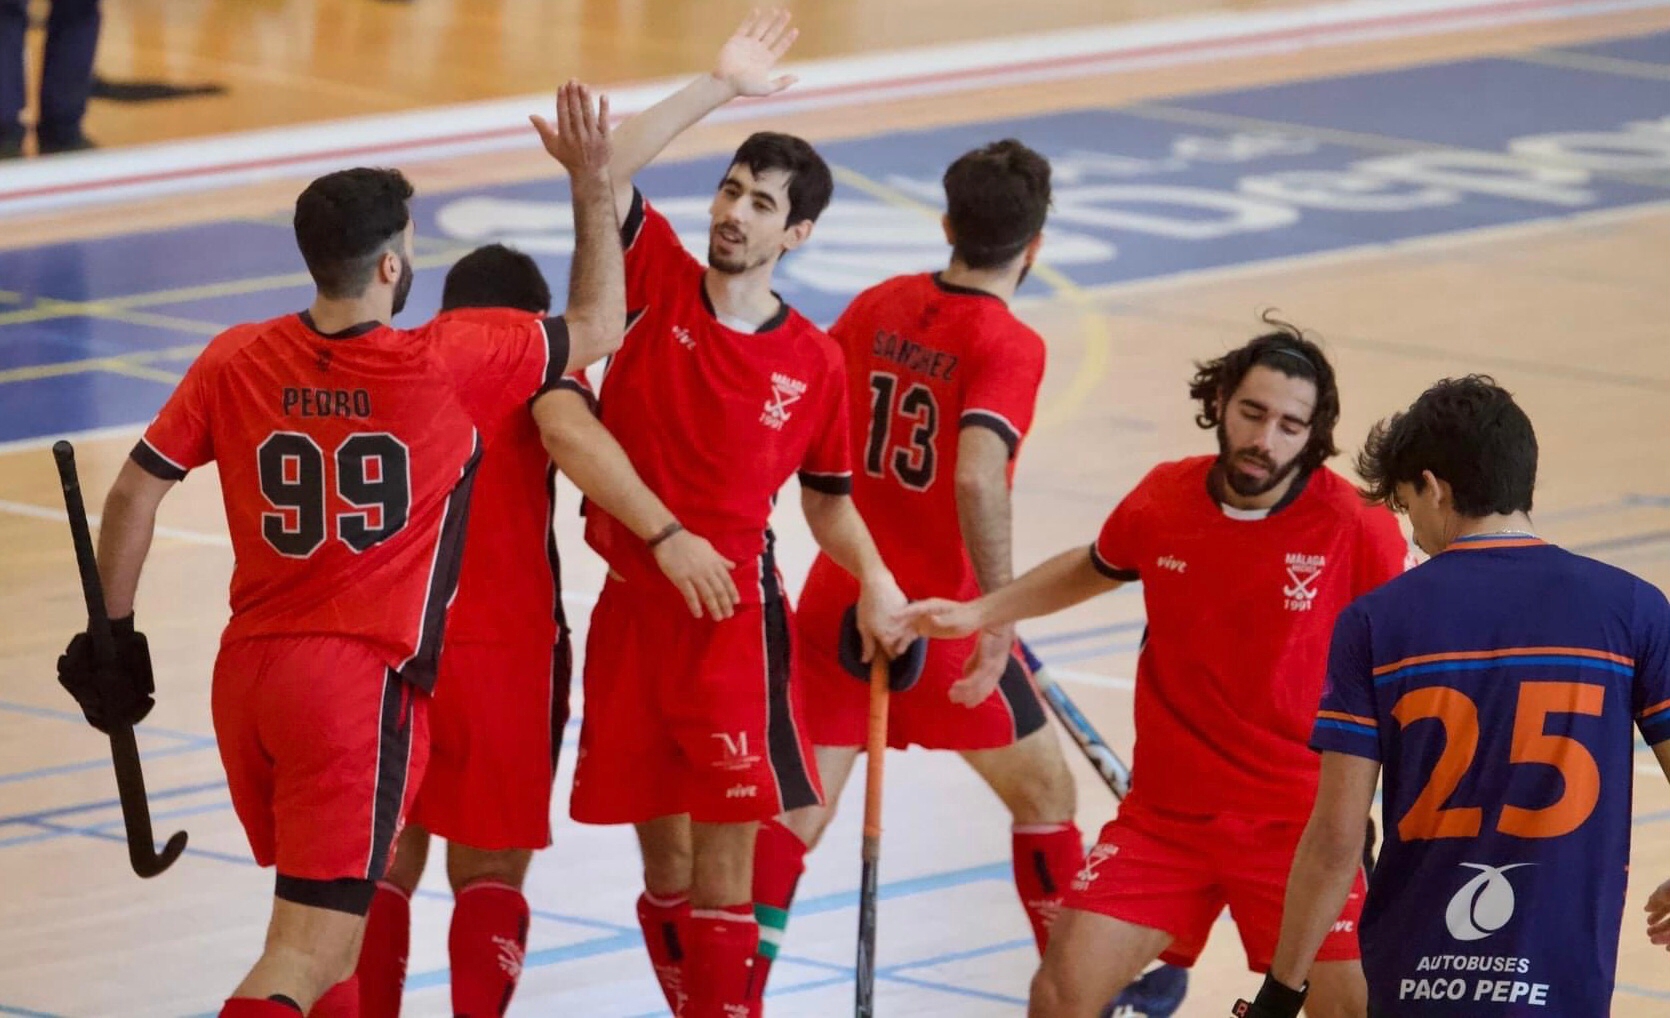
{"type": "Point", "coordinates": [1484, 904]}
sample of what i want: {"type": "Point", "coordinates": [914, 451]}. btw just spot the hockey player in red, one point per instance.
{"type": "Point", "coordinates": [347, 452]}
{"type": "Point", "coordinates": [1245, 559]}
{"type": "Point", "coordinates": [721, 394]}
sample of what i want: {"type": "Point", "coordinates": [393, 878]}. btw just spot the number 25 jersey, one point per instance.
{"type": "Point", "coordinates": [346, 463]}
{"type": "Point", "coordinates": [1497, 685]}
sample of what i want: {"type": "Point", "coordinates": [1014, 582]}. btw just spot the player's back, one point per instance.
{"type": "Point", "coordinates": [1508, 675]}
{"type": "Point", "coordinates": [510, 584]}
{"type": "Point", "coordinates": [929, 358]}
{"type": "Point", "coordinates": [346, 464]}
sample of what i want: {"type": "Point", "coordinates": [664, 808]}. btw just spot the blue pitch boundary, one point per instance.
{"type": "Point", "coordinates": [1148, 191]}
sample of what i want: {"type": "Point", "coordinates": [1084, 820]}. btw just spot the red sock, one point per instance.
{"type": "Point", "coordinates": [779, 860]}
{"type": "Point", "coordinates": [249, 1007]}
{"type": "Point", "coordinates": [382, 965]}
{"type": "Point", "coordinates": [1046, 857]}
{"type": "Point", "coordinates": [488, 941]}
{"type": "Point", "coordinates": [720, 944]}
{"type": "Point", "coordinates": [340, 1001]}
{"type": "Point", "coordinates": [662, 920]}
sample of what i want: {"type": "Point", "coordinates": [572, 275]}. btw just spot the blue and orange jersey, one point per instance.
{"type": "Point", "coordinates": [1500, 686]}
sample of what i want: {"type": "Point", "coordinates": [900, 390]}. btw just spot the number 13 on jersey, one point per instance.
{"type": "Point", "coordinates": [914, 460]}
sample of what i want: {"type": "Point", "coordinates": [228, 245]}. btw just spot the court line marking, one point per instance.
{"type": "Point", "coordinates": [1616, 66]}
{"type": "Point", "coordinates": [103, 763]}
{"type": "Point", "coordinates": [59, 516]}
{"type": "Point", "coordinates": [934, 70]}
{"type": "Point", "coordinates": [1475, 236]}
{"type": "Point", "coordinates": [1181, 113]}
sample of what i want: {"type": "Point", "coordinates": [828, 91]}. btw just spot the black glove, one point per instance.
{"type": "Point", "coordinates": [121, 695]}
{"type": "Point", "coordinates": [1274, 1000]}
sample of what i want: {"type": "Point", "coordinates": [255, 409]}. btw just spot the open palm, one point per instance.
{"type": "Point", "coordinates": [746, 61]}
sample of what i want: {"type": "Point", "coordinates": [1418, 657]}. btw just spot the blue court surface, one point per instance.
{"type": "Point", "coordinates": [93, 333]}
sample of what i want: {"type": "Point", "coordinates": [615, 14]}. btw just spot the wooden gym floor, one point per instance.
{"type": "Point", "coordinates": [1434, 187]}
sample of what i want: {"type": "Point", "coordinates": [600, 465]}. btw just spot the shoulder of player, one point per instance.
{"type": "Point", "coordinates": [460, 319]}
{"type": "Point", "coordinates": [1171, 482]}
{"type": "Point", "coordinates": [226, 346]}
{"type": "Point", "coordinates": [808, 340]}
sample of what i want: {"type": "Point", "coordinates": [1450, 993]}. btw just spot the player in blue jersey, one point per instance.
{"type": "Point", "coordinates": [1497, 685]}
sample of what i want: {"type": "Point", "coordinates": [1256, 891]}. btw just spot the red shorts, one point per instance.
{"type": "Point", "coordinates": [495, 725]}
{"type": "Point", "coordinates": [838, 704]}
{"type": "Point", "coordinates": [324, 746]}
{"type": "Point", "coordinates": [686, 715]}
{"type": "Point", "coordinates": [1177, 874]}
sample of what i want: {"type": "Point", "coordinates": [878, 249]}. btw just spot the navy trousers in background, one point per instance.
{"type": "Point", "coordinates": [72, 37]}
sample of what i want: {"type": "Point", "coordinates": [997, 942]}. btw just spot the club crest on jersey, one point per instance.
{"type": "Point", "coordinates": [684, 338]}
{"type": "Point", "coordinates": [785, 392]}
{"type": "Point", "coordinates": [1299, 593]}
{"type": "Point", "coordinates": [1091, 869]}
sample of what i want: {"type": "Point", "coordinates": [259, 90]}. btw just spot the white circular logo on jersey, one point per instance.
{"type": "Point", "coordinates": [1483, 905]}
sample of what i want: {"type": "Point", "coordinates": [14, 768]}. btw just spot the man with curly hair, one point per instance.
{"type": "Point", "coordinates": [1245, 559]}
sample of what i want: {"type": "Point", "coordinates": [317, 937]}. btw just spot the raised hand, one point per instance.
{"type": "Point", "coordinates": [747, 58]}
{"type": "Point", "coordinates": [942, 619]}
{"type": "Point", "coordinates": [580, 138]}
{"type": "Point", "coordinates": [700, 573]}
{"type": "Point", "coordinates": [985, 666]}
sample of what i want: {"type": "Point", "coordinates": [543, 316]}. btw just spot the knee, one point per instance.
{"type": "Point", "coordinates": [467, 866]}
{"type": "Point", "coordinates": [411, 855]}
{"type": "Point", "coordinates": [809, 822]}
{"type": "Point", "coordinates": [1049, 996]}
{"type": "Point", "coordinates": [667, 869]}
{"type": "Point", "coordinates": [1045, 795]}
{"type": "Point", "coordinates": [722, 878]}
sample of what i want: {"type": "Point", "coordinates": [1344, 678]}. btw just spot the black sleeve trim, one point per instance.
{"type": "Point", "coordinates": [155, 463]}
{"type": "Point", "coordinates": [995, 424]}
{"type": "Point", "coordinates": [566, 384]}
{"type": "Point", "coordinates": [1112, 572]}
{"type": "Point", "coordinates": [634, 223]}
{"type": "Point", "coordinates": [557, 350]}
{"type": "Point", "coordinates": [829, 484]}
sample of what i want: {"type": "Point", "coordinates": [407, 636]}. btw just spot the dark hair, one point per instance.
{"type": "Point", "coordinates": [1470, 433]}
{"type": "Point", "coordinates": [810, 184]}
{"type": "Point", "coordinates": [996, 198]}
{"type": "Point", "coordinates": [345, 221]}
{"type": "Point", "coordinates": [1285, 350]}
{"type": "Point", "coordinates": [495, 276]}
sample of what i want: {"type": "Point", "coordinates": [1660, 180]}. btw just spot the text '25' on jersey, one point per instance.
{"type": "Point", "coordinates": [1499, 685]}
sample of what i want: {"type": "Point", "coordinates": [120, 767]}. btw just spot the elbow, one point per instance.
{"type": "Point", "coordinates": [593, 337]}
{"type": "Point", "coordinates": [1336, 843]}
{"type": "Point", "coordinates": [977, 489]}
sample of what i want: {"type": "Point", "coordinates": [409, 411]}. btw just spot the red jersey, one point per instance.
{"type": "Point", "coordinates": [714, 420]}
{"type": "Point", "coordinates": [1241, 607]}
{"type": "Point", "coordinates": [510, 586]}
{"type": "Point", "coordinates": [930, 358]}
{"type": "Point", "coordinates": [346, 465]}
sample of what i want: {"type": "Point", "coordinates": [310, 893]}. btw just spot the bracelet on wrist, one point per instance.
{"type": "Point", "coordinates": [667, 531]}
